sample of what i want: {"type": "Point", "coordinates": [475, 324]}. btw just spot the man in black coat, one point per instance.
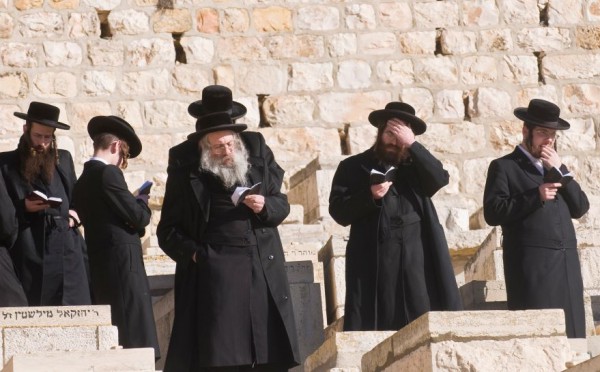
{"type": "Point", "coordinates": [531, 194]}
{"type": "Point", "coordinates": [49, 252]}
{"type": "Point", "coordinates": [397, 261]}
{"type": "Point", "coordinates": [11, 290]}
{"type": "Point", "coordinates": [114, 219]}
{"type": "Point", "coordinates": [232, 299]}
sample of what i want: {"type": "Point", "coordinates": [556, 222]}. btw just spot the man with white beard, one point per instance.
{"type": "Point", "coordinates": [232, 298]}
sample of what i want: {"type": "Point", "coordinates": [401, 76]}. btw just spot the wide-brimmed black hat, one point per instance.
{"type": "Point", "coordinates": [398, 110]}
{"type": "Point", "coordinates": [213, 123]}
{"type": "Point", "coordinates": [542, 113]}
{"type": "Point", "coordinates": [120, 128]}
{"type": "Point", "coordinates": [216, 98]}
{"type": "Point", "coordinates": [44, 114]}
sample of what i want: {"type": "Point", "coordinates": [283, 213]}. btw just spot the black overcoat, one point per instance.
{"type": "Point", "coordinates": [113, 220]}
{"type": "Point", "coordinates": [351, 203]}
{"type": "Point", "coordinates": [541, 263]}
{"type": "Point", "coordinates": [28, 251]}
{"type": "Point", "coordinates": [183, 221]}
{"type": "Point", "coordinates": [11, 290]}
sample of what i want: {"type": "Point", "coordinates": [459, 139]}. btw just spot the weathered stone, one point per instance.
{"type": "Point", "coordinates": [427, 15]}
{"type": "Point", "coordinates": [64, 4]}
{"type": "Point", "coordinates": [465, 137]}
{"type": "Point", "coordinates": [13, 85]}
{"type": "Point", "coordinates": [485, 264]}
{"type": "Point", "coordinates": [128, 22]}
{"type": "Point", "coordinates": [581, 98]}
{"type": "Point", "coordinates": [242, 49]}
{"type": "Point", "coordinates": [505, 135]}
{"type": "Point", "coordinates": [565, 12]}
{"type": "Point", "coordinates": [99, 83]}
{"type": "Point", "coordinates": [490, 102]}
{"type": "Point", "coordinates": [28, 4]}
{"type": "Point", "coordinates": [147, 82]}
{"type": "Point", "coordinates": [262, 79]}
{"type": "Point", "coordinates": [81, 113]}
{"type": "Point", "coordinates": [190, 79]}
{"type": "Point", "coordinates": [417, 42]}
{"type": "Point", "coordinates": [19, 55]}
{"type": "Point", "coordinates": [580, 137]}
{"type": "Point", "coordinates": [449, 104]}
{"type": "Point", "coordinates": [340, 45]}
{"type": "Point", "coordinates": [458, 42]}
{"type": "Point", "coordinates": [150, 52]}
{"type": "Point", "coordinates": [235, 20]}
{"type": "Point", "coordinates": [318, 18]}
{"type": "Point", "coordinates": [472, 181]}
{"type": "Point", "coordinates": [360, 137]}
{"type": "Point", "coordinates": [289, 111]}
{"type": "Point", "coordinates": [272, 19]}
{"type": "Point", "coordinates": [588, 37]}
{"type": "Point", "coordinates": [495, 40]}
{"type": "Point", "coordinates": [167, 114]}
{"type": "Point", "coordinates": [396, 15]}
{"type": "Point", "coordinates": [207, 20]}
{"type": "Point", "coordinates": [377, 43]}
{"type": "Point", "coordinates": [106, 53]}
{"type": "Point", "coordinates": [436, 70]}
{"type": "Point", "coordinates": [62, 53]}
{"type": "Point", "coordinates": [547, 92]}
{"type": "Point", "coordinates": [80, 25]}
{"type": "Point", "coordinates": [350, 107]}
{"type": "Point", "coordinates": [131, 112]}
{"type": "Point", "coordinates": [354, 74]}
{"type": "Point", "coordinates": [543, 39]}
{"type": "Point", "coordinates": [396, 72]}
{"type": "Point", "coordinates": [480, 13]}
{"type": "Point", "coordinates": [41, 25]}
{"type": "Point", "coordinates": [477, 70]}
{"type": "Point", "coordinates": [360, 17]}
{"type": "Point", "coordinates": [7, 25]}
{"type": "Point", "coordinates": [520, 69]}
{"type": "Point", "coordinates": [521, 12]}
{"type": "Point", "coordinates": [301, 144]}
{"type": "Point", "coordinates": [310, 76]}
{"type": "Point", "coordinates": [55, 84]}
{"type": "Point", "coordinates": [171, 21]}
{"type": "Point", "coordinates": [295, 46]}
{"type": "Point", "coordinates": [103, 4]}
{"type": "Point", "coordinates": [198, 50]}
{"type": "Point", "coordinates": [421, 99]}
{"type": "Point", "coordinates": [566, 67]}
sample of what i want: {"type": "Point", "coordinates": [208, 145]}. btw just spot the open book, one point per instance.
{"type": "Point", "coordinates": [144, 189]}
{"type": "Point", "coordinates": [38, 195]}
{"type": "Point", "coordinates": [241, 192]}
{"type": "Point", "coordinates": [377, 177]}
{"type": "Point", "coordinates": [553, 175]}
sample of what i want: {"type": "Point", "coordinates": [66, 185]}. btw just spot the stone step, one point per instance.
{"type": "Point", "coordinates": [484, 295]}
{"type": "Point", "coordinates": [125, 360]}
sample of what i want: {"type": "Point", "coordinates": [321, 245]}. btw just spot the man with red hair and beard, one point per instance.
{"type": "Point", "coordinates": [232, 299]}
{"type": "Point", "coordinates": [397, 261]}
{"type": "Point", "coordinates": [49, 253]}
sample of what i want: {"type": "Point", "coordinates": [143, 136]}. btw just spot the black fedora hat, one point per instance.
{"type": "Point", "coordinates": [216, 98]}
{"type": "Point", "coordinates": [120, 128]}
{"type": "Point", "coordinates": [215, 122]}
{"type": "Point", "coordinates": [398, 110]}
{"type": "Point", "coordinates": [44, 114]}
{"type": "Point", "coordinates": [542, 113]}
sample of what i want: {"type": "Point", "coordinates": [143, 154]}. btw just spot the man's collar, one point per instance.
{"type": "Point", "coordinates": [99, 159]}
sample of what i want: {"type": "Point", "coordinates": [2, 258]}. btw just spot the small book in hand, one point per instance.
{"type": "Point", "coordinates": [240, 193]}
{"type": "Point", "coordinates": [144, 189]}
{"type": "Point", "coordinates": [553, 175]}
{"type": "Point", "coordinates": [377, 177]}
{"type": "Point", "coordinates": [38, 195]}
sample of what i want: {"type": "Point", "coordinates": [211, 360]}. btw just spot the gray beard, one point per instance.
{"type": "Point", "coordinates": [230, 175]}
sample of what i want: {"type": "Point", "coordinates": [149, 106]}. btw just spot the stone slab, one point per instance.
{"type": "Point", "coordinates": [55, 316]}
{"type": "Point", "coordinates": [300, 272]}
{"type": "Point", "coordinates": [120, 360]}
{"type": "Point", "coordinates": [484, 295]}
{"type": "Point", "coordinates": [306, 298]}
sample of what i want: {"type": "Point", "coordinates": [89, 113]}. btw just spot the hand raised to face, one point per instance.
{"type": "Point", "coordinates": [401, 131]}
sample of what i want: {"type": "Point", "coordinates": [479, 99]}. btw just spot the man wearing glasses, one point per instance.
{"type": "Point", "coordinates": [532, 195]}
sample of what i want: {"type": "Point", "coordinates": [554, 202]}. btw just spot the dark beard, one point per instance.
{"type": "Point", "coordinates": [390, 157]}
{"type": "Point", "coordinates": [34, 163]}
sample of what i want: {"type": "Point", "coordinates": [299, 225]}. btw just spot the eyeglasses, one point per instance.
{"type": "Point", "coordinates": [546, 133]}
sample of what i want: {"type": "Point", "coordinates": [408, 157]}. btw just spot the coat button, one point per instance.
{"type": "Point", "coordinates": [271, 257]}
{"type": "Point", "coordinates": [285, 298]}
{"type": "Point", "coordinates": [263, 230]}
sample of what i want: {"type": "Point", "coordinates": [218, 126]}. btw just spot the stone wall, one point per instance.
{"type": "Point", "coordinates": [309, 72]}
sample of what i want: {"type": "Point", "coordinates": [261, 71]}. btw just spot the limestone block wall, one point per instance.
{"type": "Point", "coordinates": [310, 72]}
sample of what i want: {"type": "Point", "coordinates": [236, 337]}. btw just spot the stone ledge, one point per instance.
{"type": "Point", "coordinates": [55, 316]}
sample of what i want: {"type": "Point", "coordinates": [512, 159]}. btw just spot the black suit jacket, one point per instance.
{"type": "Point", "coordinates": [113, 220]}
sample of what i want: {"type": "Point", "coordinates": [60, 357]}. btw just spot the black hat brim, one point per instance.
{"type": "Point", "coordinates": [107, 124]}
{"type": "Point", "coordinates": [237, 128]}
{"type": "Point", "coordinates": [197, 110]}
{"type": "Point", "coordinates": [45, 122]}
{"type": "Point", "coordinates": [380, 117]}
{"type": "Point", "coordinates": [522, 113]}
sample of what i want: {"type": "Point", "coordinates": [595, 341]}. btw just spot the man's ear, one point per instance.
{"type": "Point", "coordinates": [24, 128]}
{"type": "Point", "coordinates": [114, 147]}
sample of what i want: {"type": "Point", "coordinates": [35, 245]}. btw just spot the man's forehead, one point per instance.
{"type": "Point", "coordinates": [40, 128]}
{"type": "Point", "coordinates": [222, 136]}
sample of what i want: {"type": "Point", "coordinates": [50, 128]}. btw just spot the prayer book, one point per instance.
{"type": "Point", "coordinates": [38, 195]}
{"type": "Point", "coordinates": [144, 189]}
{"type": "Point", "coordinates": [553, 175]}
{"type": "Point", "coordinates": [377, 177]}
{"type": "Point", "coordinates": [240, 193]}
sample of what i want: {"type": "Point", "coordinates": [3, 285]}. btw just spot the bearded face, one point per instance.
{"type": "Point", "coordinates": [38, 153]}
{"type": "Point", "coordinates": [387, 149]}
{"type": "Point", "coordinates": [224, 155]}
